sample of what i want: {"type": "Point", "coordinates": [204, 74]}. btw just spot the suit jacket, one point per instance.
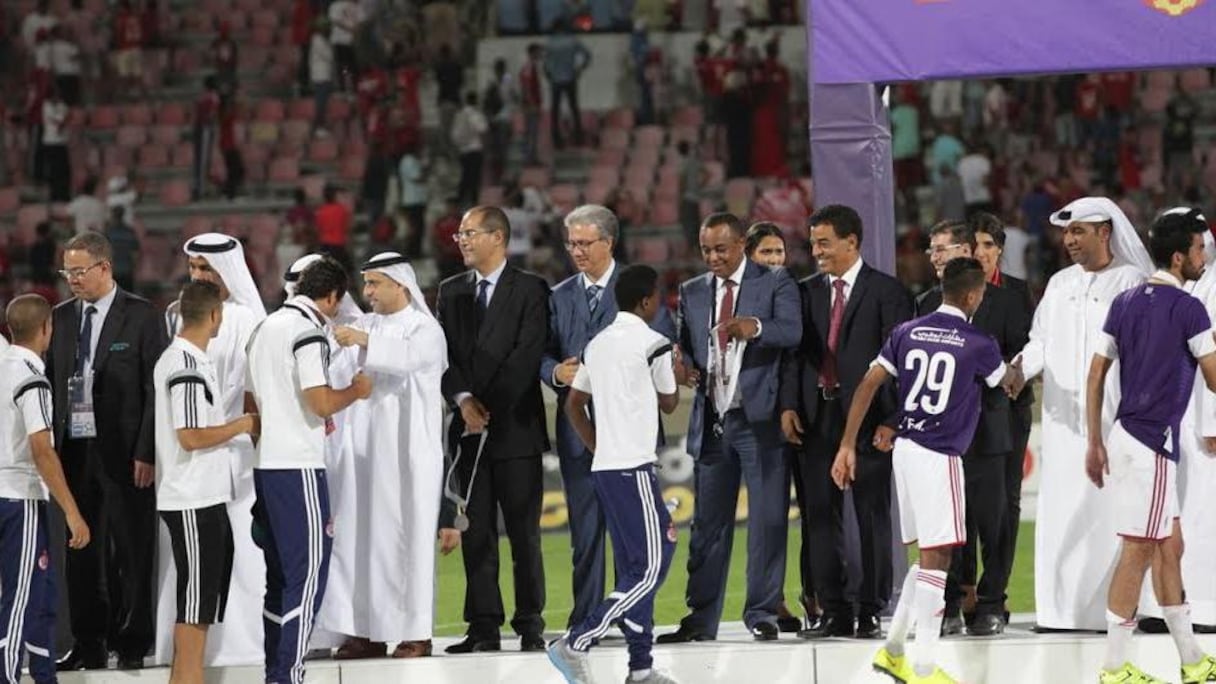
{"type": "Point", "coordinates": [1002, 315]}
{"type": "Point", "coordinates": [768, 295]}
{"type": "Point", "coordinates": [1022, 291]}
{"type": "Point", "coordinates": [498, 363]}
{"type": "Point", "coordinates": [128, 347]}
{"type": "Point", "coordinates": [876, 304]}
{"type": "Point", "coordinates": [571, 327]}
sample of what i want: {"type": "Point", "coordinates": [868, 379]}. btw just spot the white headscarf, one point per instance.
{"type": "Point", "coordinates": [227, 258]}
{"type": "Point", "coordinates": [1125, 244]}
{"type": "Point", "coordinates": [396, 267]}
{"type": "Point", "coordinates": [348, 310]}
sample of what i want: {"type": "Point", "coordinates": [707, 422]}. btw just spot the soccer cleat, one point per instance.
{"type": "Point", "coordinates": [1202, 671]}
{"type": "Point", "coordinates": [938, 676]}
{"type": "Point", "coordinates": [571, 663]}
{"type": "Point", "coordinates": [1128, 674]}
{"type": "Point", "coordinates": [655, 677]}
{"type": "Point", "coordinates": [894, 666]}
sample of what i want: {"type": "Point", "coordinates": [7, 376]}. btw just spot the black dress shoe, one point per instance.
{"type": "Point", "coordinates": [764, 631]}
{"type": "Point", "coordinates": [529, 643]}
{"type": "Point", "coordinates": [986, 624]}
{"type": "Point", "coordinates": [952, 625]}
{"type": "Point", "coordinates": [828, 625]}
{"type": "Point", "coordinates": [474, 644]}
{"type": "Point", "coordinates": [683, 635]}
{"type": "Point", "coordinates": [869, 627]}
{"type": "Point", "coordinates": [789, 625]}
{"type": "Point", "coordinates": [126, 662]}
{"type": "Point", "coordinates": [83, 658]}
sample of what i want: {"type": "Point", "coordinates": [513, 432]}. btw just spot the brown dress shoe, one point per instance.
{"type": "Point", "coordinates": [358, 648]}
{"type": "Point", "coordinates": [413, 649]}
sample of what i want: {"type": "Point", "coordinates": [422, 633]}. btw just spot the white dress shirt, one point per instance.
{"type": "Point", "coordinates": [492, 277]}
{"type": "Point", "coordinates": [719, 292]}
{"type": "Point", "coordinates": [849, 278]}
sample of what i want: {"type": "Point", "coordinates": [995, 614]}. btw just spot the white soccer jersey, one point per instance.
{"type": "Point", "coordinates": [187, 396]}
{"type": "Point", "coordinates": [622, 369]}
{"type": "Point", "coordinates": [288, 354]}
{"type": "Point", "coordinates": [25, 397]}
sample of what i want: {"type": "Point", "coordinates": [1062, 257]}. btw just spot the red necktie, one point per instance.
{"type": "Point", "coordinates": [827, 378]}
{"type": "Point", "coordinates": [725, 312]}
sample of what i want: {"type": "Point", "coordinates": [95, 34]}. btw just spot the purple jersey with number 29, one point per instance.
{"type": "Point", "coordinates": [939, 361]}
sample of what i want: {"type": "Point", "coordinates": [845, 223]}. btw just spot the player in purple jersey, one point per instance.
{"type": "Point", "coordinates": [1159, 333]}
{"type": "Point", "coordinates": [938, 361]}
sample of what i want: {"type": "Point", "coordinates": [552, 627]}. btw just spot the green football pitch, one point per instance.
{"type": "Point", "coordinates": [669, 606]}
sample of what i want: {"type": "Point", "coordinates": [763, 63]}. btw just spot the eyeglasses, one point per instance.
{"type": "Point", "coordinates": [467, 234]}
{"type": "Point", "coordinates": [581, 245]}
{"type": "Point", "coordinates": [78, 273]}
{"type": "Point", "coordinates": [937, 251]}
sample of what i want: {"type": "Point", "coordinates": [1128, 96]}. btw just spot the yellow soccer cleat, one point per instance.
{"type": "Point", "coordinates": [894, 666]}
{"type": "Point", "coordinates": [1128, 674]}
{"type": "Point", "coordinates": [1202, 671]}
{"type": "Point", "coordinates": [938, 676]}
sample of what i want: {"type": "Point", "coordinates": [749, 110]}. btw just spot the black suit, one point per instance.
{"type": "Point", "coordinates": [110, 588]}
{"type": "Point", "coordinates": [1002, 315]}
{"type": "Point", "coordinates": [1020, 414]}
{"type": "Point", "coordinates": [495, 356]}
{"type": "Point", "coordinates": [876, 304]}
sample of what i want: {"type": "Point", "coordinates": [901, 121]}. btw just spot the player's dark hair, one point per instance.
{"type": "Point", "coordinates": [322, 278]}
{"type": "Point", "coordinates": [197, 300]}
{"type": "Point", "coordinates": [759, 231]}
{"type": "Point", "coordinates": [1172, 234]}
{"type": "Point", "coordinates": [723, 218]}
{"type": "Point", "coordinates": [635, 283]}
{"type": "Point", "coordinates": [844, 221]}
{"type": "Point", "coordinates": [960, 233]}
{"type": "Point", "coordinates": [961, 275]}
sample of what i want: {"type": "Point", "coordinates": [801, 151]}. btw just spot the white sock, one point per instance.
{"type": "Point", "coordinates": [930, 602]}
{"type": "Point", "coordinates": [901, 622]}
{"type": "Point", "coordinates": [639, 675]}
{"type": "Point", "coordinates": [1178, 618]}
{"type": "Point", "coordinates": [1118, 636]}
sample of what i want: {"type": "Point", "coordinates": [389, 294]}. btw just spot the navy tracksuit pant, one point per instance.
{"type": "Point", "coordinates": [294, 529]}
{"type": "Point", "coordinates": [643, 541]}
{"type": "Point", "coordinates": [27, 591]}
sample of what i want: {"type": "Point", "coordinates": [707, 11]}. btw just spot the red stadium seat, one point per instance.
{"type": "Point", "coordinates": [175, 193]}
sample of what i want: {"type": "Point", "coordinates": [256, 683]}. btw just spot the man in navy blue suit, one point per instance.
{"type": "Point", "coordinates": [579, 308]}
{"type": "Point", "coordinates": [734, 323]}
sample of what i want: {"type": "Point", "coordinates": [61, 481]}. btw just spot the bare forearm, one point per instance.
{"type": "Point", "coordinates": [193, 439]}
{"type": "Point", "coordinates": [46, 461]}
{"type": "Point", "coordinates": [669, 402]}
{"type": "Point", "coordinates": [1095, 391]}
{"type": "Point", "coordinates": [331, 401]}
{"type": "Point", "coordinates": [862, 398]}
{"type": "Point", "coordinates": [576, 412]}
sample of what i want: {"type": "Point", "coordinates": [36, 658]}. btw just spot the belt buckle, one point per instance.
{"type": "Point", "coordinates": [829, 393]}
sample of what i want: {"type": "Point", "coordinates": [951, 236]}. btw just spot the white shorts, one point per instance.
{"type": "Point", "coordinates": [1144, 486]}
{"type": "Point", "coordinates": [932, 501]}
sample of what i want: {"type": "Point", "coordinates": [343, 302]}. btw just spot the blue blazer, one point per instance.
{"type": "Point", "coordinates": [571, 327]}
{"type": "Point", "coordinates": [768, 295]}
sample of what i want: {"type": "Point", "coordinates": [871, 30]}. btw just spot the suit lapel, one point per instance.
{"type": "Point", "coordinates": [498, 302]}
{"type": "Point", "coordinates": [749, 292]}
{"type": "Point", "coordinates": [109, 329]}
{"type": "Point", "coordinates": [821, 305]}
{"type": "Point", "coordinates": [855, 296]}
{"type": "Point", "coordinates": [607, 306]}
{"type": "Point", "coordinates": [582, 309]}
{"type": "Point", "coordinates": [980, 319]}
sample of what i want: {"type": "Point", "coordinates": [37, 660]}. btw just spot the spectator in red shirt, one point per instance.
{"type": "Point", "coordinates": [333, 220]}
{"type": "Point", "coordinates": [301, 36]}
{"type": "Point", "coordinates": [447, 253]}
{"type": "Point", "coordinates": [224, 58]}
{"type": "Point", "coordinates": [1089, 107]}
{"type": "Point", "coordinates": [407, 77]}
{"type": "Point", "coordinates": [530, 100]}
{"type": "Point", "coordinates": [36, 90]}
{"type": "Point", "coordinates": [206, 116]}
{"type": "Point", "coordinates": [1119, 91]}
{"type": "Point", "coordinates": [376, 172]}
{"type": "Point", "coordinates": [234, 166]}
{"type": "Point", "coordinates": [128, 47]}
{"type": "Point", "coordinates": [371, 88]}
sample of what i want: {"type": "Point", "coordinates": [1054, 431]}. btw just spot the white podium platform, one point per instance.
{"type": "Point", "coordinates": [1017, 657]}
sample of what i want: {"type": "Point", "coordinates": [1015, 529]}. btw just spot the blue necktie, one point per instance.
{"type": "Point", "coordinates": [84, 343]}
{"type": "Point", "coordinates": [593, 297]}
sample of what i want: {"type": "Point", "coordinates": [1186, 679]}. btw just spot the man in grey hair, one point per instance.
{"type": "Point", "coordinates": [579, 308]}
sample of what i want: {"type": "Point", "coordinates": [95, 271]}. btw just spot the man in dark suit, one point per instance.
{"type": "Point", "coordinates": [496, 319]}
{"type": "Point", "coordinates": [579, 308]}
{"type": "Point", "coordinates": [989, 248]}
{"type": "Point", "coordinates": [848, 310]}
{"type": "Point", "coordinates": [104, 348]}
{"type": "Point", "coordinates": [735, 322]}
{"type": "Point", "coordinates": [1003, 316]}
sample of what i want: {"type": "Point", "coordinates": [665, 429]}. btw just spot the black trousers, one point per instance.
{"type": "Point", "coordinates": [806, 598]}
{"type": "Point", "coordinates": [570, 91]}
{"type": "Point", "coordinates": [515, 486]}
{"type": "Point", "coordinates": [825, 525]}
{"type": "Point", "coordinates": [1014, 465]}
{"type": "Point", "coordinates": [984, 483]}
{"type": "Point", "coordinates": [110, 581]}
{"type": "Point", "coordinates": [470, 177]}
{"type": "Point", "coordinates": [234, 174]}
{"type": "Point", "coordinates": [58, 172]}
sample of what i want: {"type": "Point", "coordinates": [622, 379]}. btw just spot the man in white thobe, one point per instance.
{"type": "Point", "coordinates": [1075, 542]}
{"type": "Point", "coordinates": [1196, 481]}
{"type": "Point", "coordinates": [220, 259]}
{"type": "Point", "coordinates": [382, 574]}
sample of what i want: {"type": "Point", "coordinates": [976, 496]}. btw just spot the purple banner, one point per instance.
{"type": "Point", "coordinates": [865, 41]}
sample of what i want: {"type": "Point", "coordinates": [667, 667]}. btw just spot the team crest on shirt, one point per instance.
{"type": "Point", "coordinates": [44, 561]}
{"type": "Point", "coordinates": [671, 532]}
{"type": "Point", "coordinates": [329, 528]}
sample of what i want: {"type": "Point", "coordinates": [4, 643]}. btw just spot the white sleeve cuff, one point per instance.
{"type": "Point", "coordinates": [886, 365]}
{"type": "Point", "coordinates": [1202, 344]}
{"type": "Point", "coordinates": [1106, 346]}
{"type": "Point", "coordinates": [994, 378]}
